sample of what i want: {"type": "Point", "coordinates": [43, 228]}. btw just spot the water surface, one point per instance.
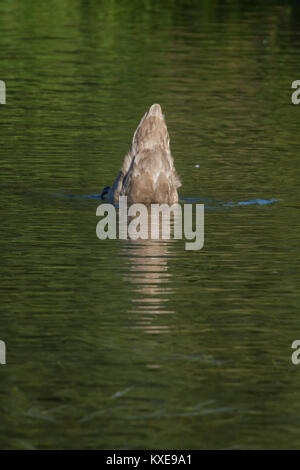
{"type": "Point", "coordinates": [128, 345]}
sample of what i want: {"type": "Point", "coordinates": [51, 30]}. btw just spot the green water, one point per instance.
{"type": "Point", "coordinates": [131, 345]}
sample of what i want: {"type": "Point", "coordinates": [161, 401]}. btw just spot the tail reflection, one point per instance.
{"type": "Point", "coordinates": [148, 272]}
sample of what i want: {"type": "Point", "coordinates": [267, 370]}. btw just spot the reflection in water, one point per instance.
{"type": "Point", "coordinates": [148, 271]}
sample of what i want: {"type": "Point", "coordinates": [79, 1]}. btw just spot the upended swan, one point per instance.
{"type": "Point", "coordinates": [148, 173]}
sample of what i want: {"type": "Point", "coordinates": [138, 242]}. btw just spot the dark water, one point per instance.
{"type": "Point", "coordinates": [115, 344]}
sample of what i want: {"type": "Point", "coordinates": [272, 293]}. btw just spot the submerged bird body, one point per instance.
{"type": "Point", "coordinates": [148, 173]}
